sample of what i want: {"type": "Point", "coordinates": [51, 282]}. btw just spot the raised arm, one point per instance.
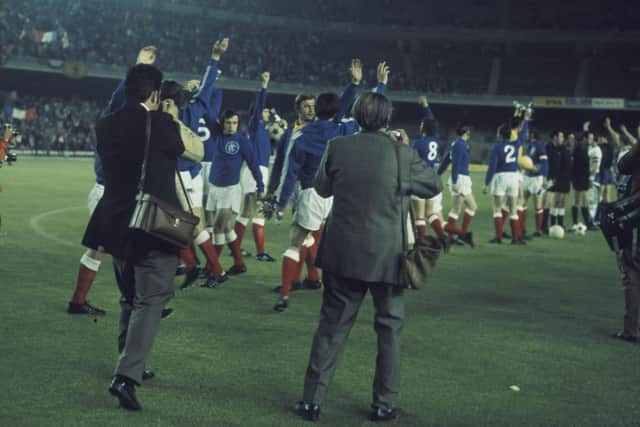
{"type": "Point", "coordinates": [427, 112]}
{"type": "Point", "coordinates": [199, 104]}
{"type": "Point", "coordinates": [628, 134]}
{"type": "Point", "coordinates": [147, 55]}
{"type": "Point", "coordinates": [615, 136]}
{"type": "Point", "coordinates": [382, 73]}
{"type": "Point", "coordinates": [349, 94]}
{"type": "Point", "coordinates": [261, 101]}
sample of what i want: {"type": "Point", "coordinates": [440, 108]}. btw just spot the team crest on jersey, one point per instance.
{"type": "Point", "coordinates": [231, 147]}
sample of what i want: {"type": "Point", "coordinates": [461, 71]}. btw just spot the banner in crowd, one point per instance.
{"type": "Point", "coordinates": [10, 113]}
{"type": "Point", "coordinates": [608, 103]}
{"type": "Point", "coordinates": [75, 70]}
{"type": "Point", "coordinates": [549, 101]}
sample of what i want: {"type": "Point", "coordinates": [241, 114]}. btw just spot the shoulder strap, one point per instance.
{"type": "Point", "coordinates": [147, 137]}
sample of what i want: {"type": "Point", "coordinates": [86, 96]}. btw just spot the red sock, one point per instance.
{"type": "Point", "coordinates": [539, 219]}
{"type": "Point", "coordinates": [218, 249]}
{"type": "Point", "coordinates": [436, 225]}
{"type": "Point", "coordinates": [421, 225]}
{"type": "Point", "coordinates": [452, 227]}
{"type": "Point", "coordinates": [83, 284]}
{"type": "Point", "coordinates": [239, 228]}
{"type": "Point", "coordinates": [189, 258]}
{"type": "Point", "coordinates": [499, 226]}
{"type": "Point", "coordinates": [466, 222]}
{"type": "Point", "coordinates": [515, 229]}
{"type": "Point", "coordinates": [213, 263]}
{"type": "Point", "coordinates": [236, 252]}
{"type": "Point", "coordinates": [522, 216]}
{"type": "Point", "coordinates": [258, 237]}
{"type": "Point", "coordinates": [290, 270]}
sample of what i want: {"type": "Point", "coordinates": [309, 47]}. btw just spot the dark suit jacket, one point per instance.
{"type": "Point", "coordinates": [363, 237]}
{"type": "Point", "coordinates": [120, 144]}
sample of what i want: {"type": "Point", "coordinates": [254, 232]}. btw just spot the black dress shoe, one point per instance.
{"type": "Point", "coordinates": [180, 270]}
{"type": "Point", "coordinates": [125, 390]}
{"type": "Point", "coordinates": [519, 242]}
{"type": "Point", "coordinates": [380, 414]}
{"type": "Point", "coordinates": [190, 277]}
{"type": "Point", "coordinates": [308, 411]}
{"type": "Point", "coordinates": [166, 312]}
{"type": "Point", "coordinates": [147, 375]}
{"type": "Point", "coordinates": [236, 269]}
{"type": "Point", "coordinates": [85, 308]}
{"type": "Point", "coordinates": [495, 241]}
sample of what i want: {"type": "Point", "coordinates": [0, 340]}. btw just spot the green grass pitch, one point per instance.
{"type": "Point", "coordinates": [539, 317]}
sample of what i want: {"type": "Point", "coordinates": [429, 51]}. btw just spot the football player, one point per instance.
{"type": "Point", "coordinates": [535, 182]}
{"type": "Point", "coordinates": [427, 147]}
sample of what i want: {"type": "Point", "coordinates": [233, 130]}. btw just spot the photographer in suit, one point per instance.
{"type": "Point", "coordinates": [629, 258]}
{"type": "Point", "coordinates": [359, 256]}
{"type": "Point", "coordinates": [144, 266]}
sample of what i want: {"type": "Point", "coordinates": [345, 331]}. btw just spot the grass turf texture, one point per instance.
{"type": "Point", "coordinates": [539, 317]}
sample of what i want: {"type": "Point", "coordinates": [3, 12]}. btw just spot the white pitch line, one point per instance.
{"type": "Point", "coordinates": [34, 223]}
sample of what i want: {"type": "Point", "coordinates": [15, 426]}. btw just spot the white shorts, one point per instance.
{"type": "Point", "coordinates": [228, 197]}
{"type": "Point", "coordinates": [464, 186]}
{"type": "Point", "coordinates": [249, 184]}
{"type": "Point", "coordinates": [205, 172]}
{"type": "Point", "coordinates": [533, 185]}
{"type": "Point", "coordinates": [312, 210]}
{"type": "Point", "coordinates": [436, 202]}
{"type": "Point", "coordinates": [94, 197]}
{"type": "Point", "coordinates": [193, 187]}
{"type": "Point", "coordinates": [505, 184]}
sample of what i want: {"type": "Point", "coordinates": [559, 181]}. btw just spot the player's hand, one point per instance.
{"type": "Point", "coordinates": [283, 124]}
{"type": "Point", "coordinates": [623, 128]}
{"type": "Point", "coordinates": [383, 72]}
{"type": "Point", "coordinates": [219, 48]}
{"type": "Point", "coordinates": [607, 123]}
{"type": "Point", "coordinates": [528, 113]}
{"type": "Point", "coordinates": [191, 85]}
{"type": "Point", "coordinates": [356, 71]}
{"type": "Point", "coordinates": [264, 79]}
{"type": "Point", "coordinates": [586, 125]}
{"type": "Point", "coordinates": [423, 101]}
{"type": "Point", "coordinates": [147, 55]}
{"type": "Point", "coordinates": [404, 138]}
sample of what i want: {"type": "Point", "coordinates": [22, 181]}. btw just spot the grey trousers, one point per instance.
{"type": "Point", "coordinates": [340, 303]}
{"type": "Point", "coordinates": [630, 268]}
{"type": "Point", "coordinates": [146, 285]}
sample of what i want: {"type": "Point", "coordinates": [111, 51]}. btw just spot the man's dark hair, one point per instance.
{"type": "Point", "coordinates": [372, 111]}
{"type": "Point", "coordinates": [227, 114]}
{"type": "Point", "coordinates": [555, 133]}
{"type": "Point", "coordinates": [533, 135]}
{"type": "Point", "coordinates": [173, 90]}
{"type": "Point", "coordinates": [505, 131]}
{"type": "Point", "coordinates": [141, 81]}
{"type": "Point", "coordinates": [301, 98]}
{"type": "Point", "coordinates": [327, 105]}
{"type": "Point", "coordinates": [429, 126]}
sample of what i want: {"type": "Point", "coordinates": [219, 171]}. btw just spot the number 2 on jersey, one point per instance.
{"type": "Point", "coordinates": [510, 152]}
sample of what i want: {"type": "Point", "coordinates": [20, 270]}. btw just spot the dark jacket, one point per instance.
{"type": "Point", "coordinates": [363, 236]}
{"type": "Point", "coordinates": [629, 164]}
{"type": "Point", "coordinates": [120, 143]}
{"type": "Point", "coordinates": [559, 162]}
